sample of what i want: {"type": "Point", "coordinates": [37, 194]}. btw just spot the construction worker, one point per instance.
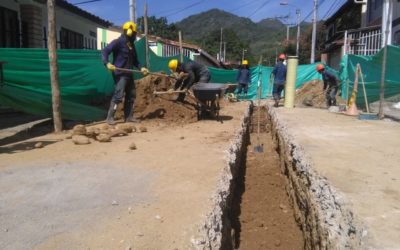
{"type": "Point", "coordinates": [124, 56]}
{"type": "Point", "coordinates": [279, 74]}
{"type": "Point", "coordinates": [331, 83]}
{"type": "Point", "coordinates": [243, 78]}
{"type": "Point", "coordinates": [188, 74]}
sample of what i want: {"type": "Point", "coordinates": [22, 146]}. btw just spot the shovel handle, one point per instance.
{"type": "Point", "coordinates": [138, 71]}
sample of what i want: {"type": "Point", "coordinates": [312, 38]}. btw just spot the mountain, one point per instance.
{"type": "Point", "coordinates": [262, 38]}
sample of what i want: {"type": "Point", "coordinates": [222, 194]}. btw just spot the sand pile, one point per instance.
{"type": "Point", "coordinates": [311, 95]}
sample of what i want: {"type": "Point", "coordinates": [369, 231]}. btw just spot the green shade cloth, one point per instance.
{"type": "Point", "coordinates": [85, 83]}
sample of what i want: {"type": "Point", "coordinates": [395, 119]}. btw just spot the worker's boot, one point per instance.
{"type": "Point", "coordinates": [128, 113]}
{"type": "Point", "coordinates": [334, 102]}
{"type": "Point", "coordinates": [111, 112]}
{"type": "Point", "coordinates": [276, 103]}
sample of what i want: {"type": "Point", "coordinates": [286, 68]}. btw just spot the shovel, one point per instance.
{"type": "Point", "coordinates": [150, 73]}
{"type": "Point", "coordinates": [260, 147]}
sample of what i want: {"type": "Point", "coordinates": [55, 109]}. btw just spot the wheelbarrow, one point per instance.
{"type": "Point", "coordinates": [207, 97]}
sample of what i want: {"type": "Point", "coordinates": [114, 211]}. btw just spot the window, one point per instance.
{"type": "Point", "coordinates": [9, 28]}
{"type": "Point", "coordinates": [377, 4]}
{"type": "Point", "coordinates": [71, 39]}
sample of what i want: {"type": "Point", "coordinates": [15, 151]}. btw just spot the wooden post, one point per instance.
{"type": "Point", "coordinates": [146, 33]}
{"type": "Point", "coordinates": [180, 47]}
{"type": "Point", "coordinates": [363, 84]}
{"type": "Point", "coordinates": [55, 86]}
{"type": "Point", "coordinates": [347, 91]}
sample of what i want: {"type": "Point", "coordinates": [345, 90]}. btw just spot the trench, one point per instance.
{"type": "Point", "coordinates": [274, 199]}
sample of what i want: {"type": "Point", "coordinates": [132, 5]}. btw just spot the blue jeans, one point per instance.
{"type": "Point", "coordinates": [124, 86]}
{"type": "Point", "coordinates": [242, 86]}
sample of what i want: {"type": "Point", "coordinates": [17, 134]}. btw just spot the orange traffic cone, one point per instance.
{"type": "Point", "coordinates": [352, 110]}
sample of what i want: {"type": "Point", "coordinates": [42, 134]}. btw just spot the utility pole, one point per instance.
{"type": "Point", "coordinates": [55, 85]}
{"type": "Point", "coordinates": [146, 34]}
{"type": "Point", "coordinates": [314, 31]}
{"type": "Point", "coordinates": [298, 13]}
{"type": "Point", "coordinates": [220, 47]}
{"type": "Point", "coordinates": [224, 51]}
{"type": "Point", "coordinates": [386, 25]}
{"type": "Point", "coordinates": [132, 10]}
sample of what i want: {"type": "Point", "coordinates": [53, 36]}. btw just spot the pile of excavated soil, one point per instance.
{"type": "Point", "coordinates": [161, 107]}
{"type": "Point", "coordinates": [311, 95]}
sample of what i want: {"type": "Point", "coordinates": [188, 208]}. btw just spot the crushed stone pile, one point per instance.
{"type": "Point", "coordinates": [311, 95]}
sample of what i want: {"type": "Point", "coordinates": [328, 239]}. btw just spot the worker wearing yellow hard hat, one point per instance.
{"type": "Point", "coordinates": [190, 73]}
{"type": "Point", "coordinates": [124, 57]}
{"type": "Point", "coordinates": [331, 84]}
{"type": "Point", "coordinates": [243, 78]}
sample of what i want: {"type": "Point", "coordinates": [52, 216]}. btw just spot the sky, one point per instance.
{"type": "Point", "coordinates": [117, 11]}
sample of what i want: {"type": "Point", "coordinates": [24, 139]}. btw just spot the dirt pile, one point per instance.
{"type": "Point", "coordinates": [311, 94]}
{"type": "Point", "coordinates": [163, 107]}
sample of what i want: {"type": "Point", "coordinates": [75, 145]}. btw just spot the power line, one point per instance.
{"type": "Point", "coordinates": [244, 5]}
{"type": "Point", "coordinates": [312, 11]}
{"type": "Point", "coordinates": [333, 8]}
{"type": "Point", "coordinates": [172, 11]}
{"type": "Point", "coordinates": [185, 8]}
{"type": "Point", "coordinates": [262, 6]}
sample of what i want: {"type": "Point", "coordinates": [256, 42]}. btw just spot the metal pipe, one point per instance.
{"type": "Point", "coordinates": [290, 86]}
{"type": "Point", "coordinates": [298, 32]}
{"type": "Point", "coordinates": [314, 31]}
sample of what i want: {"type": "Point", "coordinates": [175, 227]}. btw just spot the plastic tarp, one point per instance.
{"type": "Point", "coordinates": [371, 68]}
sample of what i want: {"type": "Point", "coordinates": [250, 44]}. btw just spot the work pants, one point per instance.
{"type": "Point", "coordinates": [330, 96]}
{"type": "Point", "coordinates": [277, 90]}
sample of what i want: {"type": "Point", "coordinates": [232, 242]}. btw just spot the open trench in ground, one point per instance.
{"type": "Point", "coordinates": [274, 199]}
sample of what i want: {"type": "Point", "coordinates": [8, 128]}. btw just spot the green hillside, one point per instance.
{"type": "Point", "coordinates": [261, 38]}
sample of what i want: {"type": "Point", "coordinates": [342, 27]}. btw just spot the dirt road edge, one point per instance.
{"type": "Point", "coordinates": [216, 232]}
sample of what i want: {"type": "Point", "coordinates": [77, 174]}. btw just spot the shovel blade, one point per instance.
{"type": "Point", "coordinates": [259, 149]}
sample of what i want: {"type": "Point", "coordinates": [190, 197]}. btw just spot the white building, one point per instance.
{"type": "Point", "coordinates": [356, 28]}
{"type": "Point", "coordinates": [23, 24]}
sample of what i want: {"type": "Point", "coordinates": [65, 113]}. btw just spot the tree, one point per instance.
{"type": "Point", "coordinates": [159, 27]}
{"type": "Point", "coordinates": [55, 86]}
{"type": "Point", "coordinates": [305, 44]}
{"type": "Point", "coordinates": [234, 45]}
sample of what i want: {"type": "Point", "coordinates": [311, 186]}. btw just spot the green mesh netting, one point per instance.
{"type": "Point", "coordinates": [85, 82]}
{"type": "Point", "coordinates": [371, 68]}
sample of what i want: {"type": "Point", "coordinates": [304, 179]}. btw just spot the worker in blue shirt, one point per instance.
{"type": "Point", "coordinates": [124, 56]}
{"type": "Point", "coordinates": [243, 78]}
{"type": "Point", "coordinates": [331, 83]}
{"type": "Point", "coordinates": [279, 73]}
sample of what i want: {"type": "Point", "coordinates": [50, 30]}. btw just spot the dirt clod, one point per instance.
{"type": "Point", "coordinates": [132, 146]}
{"type": "Point", "coordinates": [79, 130]}
{"type": "Point", "coordinates": [39, 145]}
{"type": "Point", "coordinates": [126, 127]}
{"type": "Point", "coordinates": [143, 129]}
{"type": "Point", "coordinates": [117, 132]}
{"type": "Point", "coordinates": [104, 137]}
{"type": "Point", "coordinates": [80, 140]}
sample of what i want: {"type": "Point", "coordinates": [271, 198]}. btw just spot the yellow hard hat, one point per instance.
{"type": "Point", "coordinates": [173, 64]}
{"type": "Point", "coordinates": [245, 62]}
{"type": "Point", "coordinates": [129, 27]}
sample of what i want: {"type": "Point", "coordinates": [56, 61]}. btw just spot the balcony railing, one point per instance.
{"type": "Point", "coordinates": [365, 41]}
